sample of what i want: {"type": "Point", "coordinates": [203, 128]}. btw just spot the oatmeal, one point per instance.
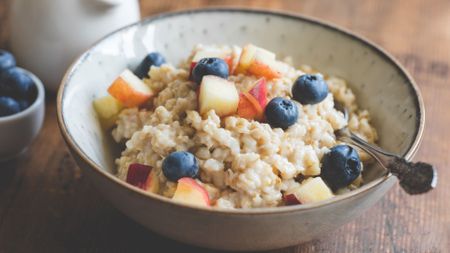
{"type": "Point", "coordinates": [236, 128]}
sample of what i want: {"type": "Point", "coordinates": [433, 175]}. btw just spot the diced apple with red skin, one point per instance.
{"type": "Point", "coordinates": [249, 107]}
{"type": "Point", "coordinates": [137, 174]}
{"type": "Point", "coordinates": [259, 91]}
{"type": "Point", "coordinates": [130, 90]}
{"type": "Point", "coordinates": [311, 190]}
{"type": "Point", "coordinates": [191, 67]}
{"type": "Point", "coordinates": [142, 176]}
{"type": "Point", "coordinates": [253, 102]}
{"type": "Point", "coordinates": [229, 60]}
{"type": "Point", "coordinates": [248, 55]}
{"type": "Point", "coordinates": [262, 69]}
{"type": "Point", "coordinates": [290, 199]}
{"type": "Point", "coordinates": [219, 95]}
{"type": "Point", "coordinates": [258, 62]}
{"type": "Point", "coordinates": [107, 108]}
{"type": "Point", "coordinates": [211, 54]}
{"type": "Point", "coordinates": [190, 192]}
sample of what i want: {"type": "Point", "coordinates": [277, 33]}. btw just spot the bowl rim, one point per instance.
{"type": "Point", "coordinates": [31, 109]}
{"type": "Point", "coordinates": [414, 90]}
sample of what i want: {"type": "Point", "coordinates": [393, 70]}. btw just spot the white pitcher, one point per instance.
{"type": "Point", "coordinates": [47, 35]}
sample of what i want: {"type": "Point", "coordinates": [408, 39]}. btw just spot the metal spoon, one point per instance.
{"type": "Point", "coordinates": [415, 178]}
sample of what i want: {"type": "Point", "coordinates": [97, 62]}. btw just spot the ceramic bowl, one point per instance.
{"type": "Point", "coordinates": [19, 130]}
{"type": "Point", "coordinates": [380, 83]}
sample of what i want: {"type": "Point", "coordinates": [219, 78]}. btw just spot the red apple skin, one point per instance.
{"type": "Point", "coordinates": [191, 68]}
{"type": "Point", "coordinates": [125, 94]}
{"type": "Point", "coordinates": [255, 104]}
{"type": "Point", "coordinates": [128, 95]}
{"type": "Point", "coordinates": [137, 175]}
{"type": "Point", "coordinates": [249, 107]}
{"type": "Point", "coordinates": [260, 69]}
{"type": "Point", "coordinates": [245, 108]}
{"type": "Point", "coordinates": [259, 91]}
{"type": "Point", "coordinates": [229, 60]}
{"type": "Point", "coordinates": [291, 199]}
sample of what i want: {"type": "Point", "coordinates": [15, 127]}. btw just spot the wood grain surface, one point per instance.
{"type": "Point", "coordinates": [47, 205]}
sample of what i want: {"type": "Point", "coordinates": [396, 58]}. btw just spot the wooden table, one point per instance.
{"type": "Point", "coordinates": [46, 205]}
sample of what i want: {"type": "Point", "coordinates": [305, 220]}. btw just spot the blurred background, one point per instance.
{"type": "Point", "coordinates": [46, 205]}
{"type": "Point", "coordinates": [403, 27]}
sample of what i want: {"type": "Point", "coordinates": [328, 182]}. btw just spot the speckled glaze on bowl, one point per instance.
{"type": "Point", "coordinates": [380, 83]}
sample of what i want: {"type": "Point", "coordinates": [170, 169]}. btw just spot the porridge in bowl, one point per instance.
{"type": "Point", "coordinates": [234, 127]}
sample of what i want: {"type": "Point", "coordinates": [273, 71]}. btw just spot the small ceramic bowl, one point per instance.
{"type": "Point", "coordinates": [381, 85]}
{"type": "Point", "coordinates": [17, 131]}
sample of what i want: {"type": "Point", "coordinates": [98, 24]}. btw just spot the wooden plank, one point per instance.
{"type": "Point", "coordinates": [46, 205]}
{"type": "Point", "coordinates": [4, 22]}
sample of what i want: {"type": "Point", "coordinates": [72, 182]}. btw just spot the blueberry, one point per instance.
{"type": "Point", "coordinates": [209, 66]}
{"type": "Point", "coordinates": [23, 103]}
{"type": "Point", "coordinates": [6, 60]}
{"type": "Point", "coordinates": [180, 164]}
{"type": "Point", "coordinates": [16, 83]}
{"type": "Point", "coordinates": [8, 106]}
{"type": "Point", "coordinates": [309, 89]}
{"type": "Point", "coordinates": [281, 112]}
{"type": "Point", "coordinates": [340, 166]}
{"type": "Point", "coordinates": [152, 59]}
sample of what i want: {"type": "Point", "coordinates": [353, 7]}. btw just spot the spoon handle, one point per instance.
{"type": "Point", "coordinates": [415, 178]}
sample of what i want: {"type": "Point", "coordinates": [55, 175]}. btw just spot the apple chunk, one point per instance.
{"type": "Point", "coordinates": [248, 55]}
{"type": "Point", "coordinates": [258, 62]}
{"type": "Point", "coordinates": [137, 174]}
{"type": "Point", "coordinates": [313, 190]}
{"type": "Point", "coordinates": [190, 192]}
{"type": "Point", "coordinates": [253, 102]}
{"type": "Point", "coordinates": [219, 95]}
{"type": "Point", "coordinates": [259, 91]}
{"type": "Point", "coordinates": [107, 108]}
{"type": "Point", "coordinates": [130, 90]}
{"type": "Point", "coordinates": [142, 176]}
{"type": "Point", "coordinates": [261, 68]}
{"type": "Point", "coordinates": [249, 107]}
{"type": "Point", "coordinates": [152, 183]}
{"type": "Point", "coordinates": [291, 199]}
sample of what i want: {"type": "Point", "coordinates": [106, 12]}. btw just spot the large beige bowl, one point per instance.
{"type": "Point", "coordinates": [380, 83]}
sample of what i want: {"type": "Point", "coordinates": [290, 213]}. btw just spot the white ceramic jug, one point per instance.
{"type": "Point", "coordinates": [47, 35]}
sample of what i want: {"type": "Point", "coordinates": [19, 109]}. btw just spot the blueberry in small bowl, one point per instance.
{"type": "Point", "coordinates": [9, 106]}
{"type": "Point", "coordinates": [16, 83]}
{"type": "Point", "coordinates": [23, 103]}
{"type": "Point", "coordinates": [22, 108]}
{"type": "Point", "coordinates": [7, 60]}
